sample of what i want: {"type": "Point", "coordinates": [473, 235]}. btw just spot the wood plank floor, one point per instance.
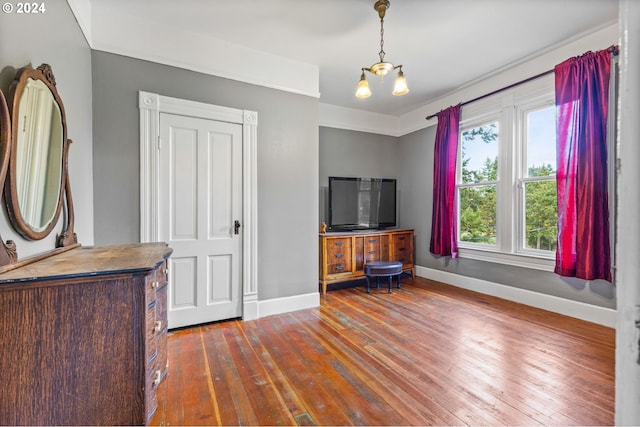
{"type": "Point", "coordinates": [428, 354]}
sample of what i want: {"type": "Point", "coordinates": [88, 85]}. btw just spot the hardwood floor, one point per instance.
{"type": "Point", "coordinates": [428, 354]}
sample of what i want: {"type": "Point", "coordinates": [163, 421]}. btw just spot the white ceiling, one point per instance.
{"type": "Point", "coordinates": [442, 44]}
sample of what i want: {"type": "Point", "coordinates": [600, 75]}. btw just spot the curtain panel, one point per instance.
{"type": "Point", "coordinates": [444, 221]}
{"type": "Point", "coordinates": [582, 105]}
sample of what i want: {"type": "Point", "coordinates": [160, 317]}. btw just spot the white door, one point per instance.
{"type": "Point", "coordinates": [200, 205]}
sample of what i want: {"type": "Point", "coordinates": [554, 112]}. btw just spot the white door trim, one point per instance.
{"type": "Point", "coordinates": [151, 105]}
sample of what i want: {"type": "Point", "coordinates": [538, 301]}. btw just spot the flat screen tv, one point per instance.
{"type": "Point", "coordinates": [361, 203]}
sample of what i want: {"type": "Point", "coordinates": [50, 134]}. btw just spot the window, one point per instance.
{"type": "Point", "coordinates": [478, 187]}
{"type": "Point", "coordinates": [538, 182]}
{"type": "Point", "coordinates": [506, 178]}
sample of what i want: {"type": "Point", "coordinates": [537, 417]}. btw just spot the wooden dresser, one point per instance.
{"type": "Point", "coordinates": [83, 337]}
{"type": "Point", "coordinates": [343, 255]}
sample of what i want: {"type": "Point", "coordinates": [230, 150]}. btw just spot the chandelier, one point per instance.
{"type": "Point", "coordinates": [381, 68]}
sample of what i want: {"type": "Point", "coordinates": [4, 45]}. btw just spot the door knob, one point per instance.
{"type": "Point", "coordinates": [236, 227]}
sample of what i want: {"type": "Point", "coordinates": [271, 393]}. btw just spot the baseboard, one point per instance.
{"type": "Point", "coordinates": [287, 304]}
{"type": "Point", "coordinates": [591, 313]}
{"type": "Point", "coordinates": [250, 307]}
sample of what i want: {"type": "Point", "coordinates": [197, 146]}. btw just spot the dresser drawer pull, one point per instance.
{"type": "Point", "coordinates": [401, 238]}
{"type": "Point", "coordinates": [157, 377]}
{"type": "Point", "coordinates": [339, 255]}
{"type": "Point", "coordinates": [339, 267]}
{"type": "Point", "coordinates": [157, 327]}
{"type": "Point", "coordinates": [339, 243]}
{"type": "Point", "coordinates": [372, 240]}
{"type": "Point", "coordinates": [372, 252]}
{"type": "Point", "coordinates": [401, 249]}
{"type": "Point", "coordinates": [155, 284]}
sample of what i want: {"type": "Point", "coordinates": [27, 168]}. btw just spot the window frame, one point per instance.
{"type": "Point", "coordinates": [485, 119]}
{"type": "Point", "coordinates": [508, 104]}
{"type": "Point", "coordinates": [508, 109]}
{"type": "Point", "coordinates": [522, 177]}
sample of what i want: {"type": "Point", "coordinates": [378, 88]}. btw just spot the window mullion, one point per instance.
{"type": "Point", "coordinates": [520, 162]}
{"type": "Point", "coordinates": [505, 213]}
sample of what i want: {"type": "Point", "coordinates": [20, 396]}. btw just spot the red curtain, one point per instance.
{"type": "Point", "coordinates": [582, 104]}
{"type": "Point", "coordinates": [444, 222]}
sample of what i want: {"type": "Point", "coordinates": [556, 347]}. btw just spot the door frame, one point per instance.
{"type": "Point", "coordinates": [151, 105]}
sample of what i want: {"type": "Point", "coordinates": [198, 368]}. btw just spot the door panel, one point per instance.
{"type": "Point", "coordinates": [220, 267]}
{"type": "Point", "coordinates": [184, 156]}
{"type": "Point", "coordinates": [183, 270]}
{"type": "Point", "coordinates": [200, 198]}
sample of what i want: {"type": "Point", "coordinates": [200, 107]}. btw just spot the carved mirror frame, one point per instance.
{"type": "Point", "coordinates": [8, 253]}
{"type": "Point", "coordinates": [12, 119]}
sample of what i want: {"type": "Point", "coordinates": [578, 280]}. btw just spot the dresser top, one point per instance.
{"type": "Point", "coordinates": [92, 261]}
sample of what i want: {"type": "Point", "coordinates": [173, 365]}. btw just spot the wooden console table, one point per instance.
{"type": "Point", "coordinates": [344, 254]}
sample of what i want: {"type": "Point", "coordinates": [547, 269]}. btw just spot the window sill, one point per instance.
{"type": "Point", "coordinates": [519, 260]}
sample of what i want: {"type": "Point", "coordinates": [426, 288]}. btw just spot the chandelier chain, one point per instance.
{"type": "Point", "coordinates": [382, 52]}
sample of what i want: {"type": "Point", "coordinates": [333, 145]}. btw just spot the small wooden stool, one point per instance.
{"type": "Point", "coordinates": [383, 268]}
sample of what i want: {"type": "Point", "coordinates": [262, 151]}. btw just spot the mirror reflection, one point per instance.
{"type": "Point", "coordinates": [39, 149]}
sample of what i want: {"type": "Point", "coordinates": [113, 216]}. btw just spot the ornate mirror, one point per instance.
{"type": "Point", "coordinates": [8, 254]}
{"type": "Point", "coordinates": [36, 185]}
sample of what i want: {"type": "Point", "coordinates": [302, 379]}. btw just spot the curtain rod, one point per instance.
{"type": "Point", "coordinates": [613, 50]}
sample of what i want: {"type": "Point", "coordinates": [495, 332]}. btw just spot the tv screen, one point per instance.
{"type": "Point", "coordinates": [361, 203]}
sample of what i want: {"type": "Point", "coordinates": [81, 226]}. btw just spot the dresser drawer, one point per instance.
{"type": "Point", "coordinates": [153, 379]}
{"type": "Point", "coordinates": [161, 305]}
{"type": "Point", "coordinates": [155, 280]}
{"type": "Point", "coordinates": [162, 361]}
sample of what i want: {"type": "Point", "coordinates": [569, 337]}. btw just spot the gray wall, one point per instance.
{"type": "Point", "coordinates": [416, 184]}
{"type": "Point", "coordinates": [354, 154]}
{"type": "Point", "coordinates": [55, 38]}
{"type": "Point", "coordinates": [287, 162]}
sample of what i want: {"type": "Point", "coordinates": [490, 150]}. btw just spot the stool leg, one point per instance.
{"type": "Point", "coordinates": [377, 283]}
{"type": "Point", "coordinates": [368, 285]}
{"type": "Point", "coordinates": [390, 283]}
{"type": "Point", "coordinates": [399, 280]}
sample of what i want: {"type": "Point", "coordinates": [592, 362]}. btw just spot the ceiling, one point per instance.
{"type": "Point", "coordinates": [442, 44]}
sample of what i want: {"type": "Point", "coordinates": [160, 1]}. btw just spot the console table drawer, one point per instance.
{"type": "Point", "coordinates": [338, 250]}
{"type": "Point", "coordinates": [402, 248]}
{"type": "Point", "coordinates": [338, 268]}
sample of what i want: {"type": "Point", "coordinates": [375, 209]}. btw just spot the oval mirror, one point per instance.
{"type": "Point", "coordinates": [36, 171]}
